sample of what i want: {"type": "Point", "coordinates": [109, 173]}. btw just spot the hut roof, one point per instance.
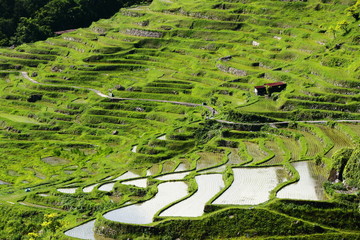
{"type": "Point", "coordinates": [275, 84]}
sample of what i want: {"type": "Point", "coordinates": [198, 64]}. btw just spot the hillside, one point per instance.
{"type": "Point", "coordinates": [159, 100]}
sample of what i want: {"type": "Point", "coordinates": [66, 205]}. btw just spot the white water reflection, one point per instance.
{"type": "Point", "coordinates": [143, 213]}
{"type": "Point", "coordinates": [251, 186]}
{"type": "Point", "coordinates": [127, 175]}
{"type": "Point", "coordinates": [307, 188]}
{"type": "Point", "coordinates": [107, 187]}
{"type": "Point", "coordinates": [67, 190]}
{"type": "Point", "coordinates": [162, 137]}
{"type": "Point", "coordinates": [172, 176]}
{"type": "Point", "coordinates": [181, 167]}
{"type": "Point", "coordinates": [84, 231]}
{"type": "Point", "coordinates": [3, 183]}
{"type": "Point", "coordinates": [44, 195]}
{"type": "Point", "coordinates": [137, 182]}
{"type": "Point", "coordinates": [208, 186]}
{"type": "Point", "coordinates": [89, 188]}
{"type": "Point", "coordinates": [134, 149]}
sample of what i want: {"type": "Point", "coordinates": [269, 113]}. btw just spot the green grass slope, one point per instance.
{"type": "Point", "coordinates": [171, 85]}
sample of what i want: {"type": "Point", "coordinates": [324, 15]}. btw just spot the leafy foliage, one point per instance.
{"type": "Point", "coordinates": [24, 21]}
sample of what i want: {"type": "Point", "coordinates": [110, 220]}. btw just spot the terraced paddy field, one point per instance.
{"type": "Point", "coordinates": [146, 125]}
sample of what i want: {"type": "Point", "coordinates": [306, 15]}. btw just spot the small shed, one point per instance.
{"type": "Point", "coordinates": [275, 87]}
{"type": "Point", "coordinates": [269, 88]}
{"type": "Point", "coordinates": [260, 90]}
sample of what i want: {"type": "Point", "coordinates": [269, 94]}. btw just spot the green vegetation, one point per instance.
{"type": "Point", "coordinates": [24, 21]}
{"type": "Point", "coordinates": [169, 88]}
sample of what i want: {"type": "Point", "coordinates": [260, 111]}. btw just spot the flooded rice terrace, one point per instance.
{"type": "Point", "coordinates": [137, 182]}
{"type": "Point", "coordinates": [309, 187]}
{"type": "Point", "coordinates": [251, 186]}
{"type": "Point", "coordinates": [208, 186]}
{"type": "Point", "coordinates": [67, 190]}
{"type": "Point", "coordinates": [89, 188]}
{"type": "Point", "coordinates": [143, 213]}
{"type": "Point", "coordinates": [84, 231]}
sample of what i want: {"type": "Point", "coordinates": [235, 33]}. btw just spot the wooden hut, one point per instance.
{"type": "Point", "coordinates": [269, 88]}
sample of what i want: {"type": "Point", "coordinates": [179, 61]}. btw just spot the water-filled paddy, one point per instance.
{"type": "Point", "coordinates": [339, 138]}
{"type": "Point", "coordinates": [89, 188]}
{"type": "Point", "coordinates": [143, 213]}
{"type": "Point", "coordinates": [308, 187]}
{"type": "Point", "coordinates": [44, 195]}
{"type": "Point", "coordinates": [154, 170]}
{"type": "Point", "coordinates": [181, 167]}
{"type": "Point", "coordinates": [234, 157]}
{"type": "Point", "coordinates": [67, 190]}
{"type": "Point", "coordinates": [173, 176]}
{"type": "Point", "coordinates": [162, 137]}
{"type": "Point", "coordinates": [84, 231]}
{"type": "Point", "coordinates": [255, 151]}
{"type": "Point", "coordinates": [127, 175]}
{"type": "Point", "coordinates": [208, 186]}
{"type": "Point", "coordinates": [137, 182]}
{"type": "Point", "coordinates": [134, 149]}
{"type": "Point", "coordinates": [251, 186]}
{"type": "Point", "coordinates": [107, 187]}
{"type": "Point", "coordinates": [209, 159]}
{"type": "Point", "coordinates": [168, 166]}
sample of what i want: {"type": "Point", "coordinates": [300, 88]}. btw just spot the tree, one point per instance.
{"type": "Point", "coordinates": [58, 14]}
{"type": "Point", "coordinates": [30, 30]}
{"type": "Point", "coordinates": [6, 30]}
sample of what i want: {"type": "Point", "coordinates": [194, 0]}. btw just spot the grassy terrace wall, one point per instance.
{"type": "Point", "coordinates": [328, 214]}
{"type": "Point", "coordinates": [226, 223]}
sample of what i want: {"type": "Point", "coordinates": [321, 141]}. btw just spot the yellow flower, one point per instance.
{"type": "Point", "coordinates": [45, 224]}
{"type": "Point", "coordinates": [51, 215]}
{"type": "Point", "coordinates": [32, 234]}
